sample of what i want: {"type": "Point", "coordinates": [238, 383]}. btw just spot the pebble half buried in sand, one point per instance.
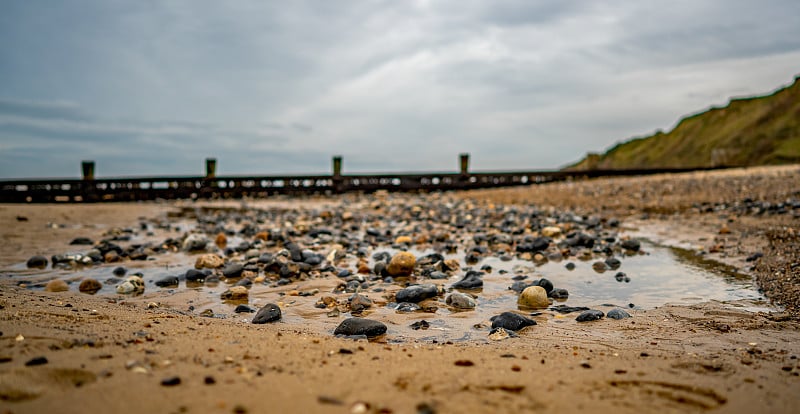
{"type": "Point", "coordinates": [360, 326]}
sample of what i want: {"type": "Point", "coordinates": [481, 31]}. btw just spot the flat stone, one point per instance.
{"type": "Point", "coordinates": [461, 301]}
{"type": "Point", "coordinates": [360, 326]}
{"type": "Point", "coordinates": [590, 315]}
{"type": "Point", "coordinates": [472, 280]}
{"type": "Point", "coordinates": [511, 321]}
{"type": "Point", "coordinates": [209, 261]}
{"type": "Point", "coordinates": [417, 293]}
{"type": "Point", "coordinates": [235, 293]}
{"type": "Point", "coordinates": [167, 281]}
{"type": "Point", "coordinates": [617, 313]}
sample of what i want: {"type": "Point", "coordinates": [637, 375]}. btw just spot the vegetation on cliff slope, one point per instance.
{"type": "Point", "coordinates": [748, 131]}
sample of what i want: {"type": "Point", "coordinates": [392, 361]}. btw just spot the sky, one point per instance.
{"type": "Point", "coordinates": [153, 87]}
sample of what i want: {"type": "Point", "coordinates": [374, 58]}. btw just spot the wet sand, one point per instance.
{"type": "Point", "coordinates": [105, 355]}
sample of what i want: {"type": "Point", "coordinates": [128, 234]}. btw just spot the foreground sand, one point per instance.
{"type": "Point", "coordinates": [107, 356]}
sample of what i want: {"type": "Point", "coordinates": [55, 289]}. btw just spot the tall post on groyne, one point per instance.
{"type": "Point", "coordinates": [337, 173]}
{"type": "Point", "coordinates": [87, 168]}
{"type": "Point", "coordinates": [211, 168]}
{"type": "Point", "coordinates": [464, 163]}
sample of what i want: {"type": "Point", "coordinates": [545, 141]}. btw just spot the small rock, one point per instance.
{"type": "Point", "coordinates": [209, 261]}
{"type": "Point", "coordinates": [268, 313]}
{"type": "Point", "coordinates": [233, 270]}
{"type": "Point", "coordinates": [590, 315]}
{"type": "Point", "coordinates": [631, 244]}
{"type": "Point", "coordinates": [360, 326]}
{"type": "Point", "coordinates": [423, 324]}
{"type": "Point", "coordinates": [90, 286]}
{"type": "Point", "coordinates": [402, 264]}
{"type": "Point", "coordinates": [81, 241]}
{"type": "Point", "coordinates": [407, 307]}
{"type": "Point", "coordinates": [38, 262]}
{"type": "Point", "coordinates": [511, 321]}
{"type": "Point", "coordinates": [498, 334]}
{"type": "Point", "coordinates": [171, 381]}
{"type": "Point", "coordinates": [461, 301]}
{"type": "Point", "coordinates": [417, 293]}
{"type": "Point", "coordinates": [119, 271]}
{"type": "Point", "coordinates": [558, 293]}
{"type": "Point", "coordinates": [167, 281]}
{"type": "Point", "coordinates": [533, 297]}
{"type": "Point", "coordinates": [195, 242]}
{"type": "Point", "coordinates": [56, 285]}
{"type": "Point", "coordinates": [551, 231]}
{"type": "Point", "coordinates": [359, 302]}
{"type": "Point", "coordinates": [243, 309]}
{"type": "Point", "coordinates": [617, 313]}
{"type": "Point", "coordinates": [403, 240]}
{"type": "Point", "coordinates": [235, 293]}
{"type": "Point", "coordinates": [221, 240]}
{"type": "Point", "coordinates": [134, 284]}
{"type": "Point", "coordinates": [36, 361]}
{"type": "Point", "coordinates": [472, 280]}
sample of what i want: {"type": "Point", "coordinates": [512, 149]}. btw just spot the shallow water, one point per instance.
{"type": "Point", "coordinates": [659, 275]}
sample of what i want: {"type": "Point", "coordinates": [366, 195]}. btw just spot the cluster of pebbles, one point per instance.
{"type": "Point", "coordinates": [407, 253]}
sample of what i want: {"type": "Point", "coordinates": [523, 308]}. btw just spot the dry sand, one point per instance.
{"type": "Point", "coordinates": [112, 356]}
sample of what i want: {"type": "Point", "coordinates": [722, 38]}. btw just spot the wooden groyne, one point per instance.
{"type": "Point", "coordinates": [90, 189]}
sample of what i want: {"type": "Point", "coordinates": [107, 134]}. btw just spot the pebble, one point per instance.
{"type": "Point", "coordinates": [500, 333]}
{"type": "Point", "coordinates": [568, 309]}
{"type": "Point", "coordinates": [417, 293]}
{"type": "Point", "coordinates": [243, 309]}
{"type": "Point", "coordinates": [36, 361]}
{"type": "Point", "coordinates": [617, 313]}
{"type": "Point", "coordinates": [533, 297]}
{"type": "Point", "coordinates": [119, 271]}
{"type": "Point", "coordinates": [461, 301]}
{"type": "Point", "coordinates": [209, 261]}
{"type": "Point", "coordinates": [171, 381]}
{"type": "Point", "coordinates": [402, 264]}
{"type": "Point", "coordinates": [423, 324]}
{"type": "Point", "coordinates": [37, 262]}
{"type": "Point", "coordinates": [406, 307]}
{"type": "Point", "coordinates": [558, 293]}
{"type": "Point", "coordinates": [232, 270]}
{"type": "Point", "coordinates": [195, 242]}
{"type": "Point", "coordinates": [631, 244]}
{"type": "Point", "coordinates": [235, 293]}
{"type": "Point", "coordinates": [133, 284]}
{"type": "Point", "coordinates": [551, 231]}
{"type": "Point", "coordinates": [360, 326]}
{"type": "Point", "coordinates": [90, 286]}
{"type": "Point", "coordinates": [167, 281]}
{"type": "Point", "coordinates": [194, 275]}
{"type": "Point", "coordinates": [56, 285]}
{"type": "Point", "coordinates": [472, 280]}
{"type": "Point", "coordinates": [82, 241]}
{"type": "Point", "coordinates": [358, 303]}
{"type": "Point", "coordinates": [511, 321]}
{"type": "Point", "coordinates": [590, 315]}
{"type": "Point", "coordinates": [268, 313]}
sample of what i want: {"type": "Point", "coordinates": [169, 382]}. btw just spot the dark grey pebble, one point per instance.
{"type": "Point", "coordinates": [511, 321]}
{"type": "Point", "coordinates": [558, 293]}
{"type": "Point", "coordinates": [438, 275]}
{"type": "Point", "coordinates": [268, 313]}
{"type": "Point", "coordinates": [472, 280]}
{"type": "Point", "coordinates": [570, 266]}
{"type": "Point", "coordinates": [360, 326]}
{"type": "Point", "coordinates": [613, 263]}
{"type": "Point", "coordinates": [617, 313]}
{"type": "Point", "coordinates": [36, 361]}
{"type": "Point", "coordinates": [194, 275]}
{"type": "Point", "coordinates": [243, 309]}
{"type": "Point", "coordinates": [423, 324]}
{"type": "Point", "coordinates": [37, 262]}
{"type": "Point", "coordinates": [171, 381]}
{"type": "Point", "coordinates": [755, 256]}
{"type": "Point", "coordinates": [546, 284]}
{"type": "Point", "coordinates": [119, 271]}
{"type": "Point", "coordinates": [359, 302]}
{"type": "Point", "coordinates": [82, 241]}
{"type": "Point", "coordinates": [167, 281]}
{"type": "Point", "coordinates": [233, 269]}
{"type": "Point", "coordinates": [631, 244]}
{"type": "Point", "coordinates": [417, 293]}
{"type": "Point", "coordinates": [590, 315]}
{"type": "Point", "coordinates": [568, 309]}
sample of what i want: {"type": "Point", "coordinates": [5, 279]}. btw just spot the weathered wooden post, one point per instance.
{"type": "Point", "coordinates": [211, 168]}
{"type": "Point", "coordinates": [88, 170]}
{"type": "Point", "coordinates": [337, 173]}
{"type": "Point", "coordinates": [464, 163]}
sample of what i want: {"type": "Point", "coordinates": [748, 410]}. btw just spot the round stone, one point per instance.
{"type": "Point", "coordinates": [235, 293]}
{"type": "Point", "coordinates": [90, 286]}
{"type": "Point", "coordinates": [511, 321]}
{"type": "Point", "coordinates": [533, 297]}
{"type": "Point", "coordinates": [38, 262]}
{"type": "Point", "coordinates": [590, 315]}
{"type": "Point", "coordinates": [56, 285]}
{"type": "Point", "coordinates": [402, 264]}
{"type": "Point", "coordinates": [617, 313]}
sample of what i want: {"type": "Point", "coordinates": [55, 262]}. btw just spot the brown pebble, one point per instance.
{"type": "Point", "coordinates": [56, 285]}
{"type": "Point", "coordinates": [171, 381]}
{"type": "Point", "coordinates": [464, 363]}
{"type": "Point", "coordinates": [221, 240]}
{"type": "Point", "coordinates": [90, 286]}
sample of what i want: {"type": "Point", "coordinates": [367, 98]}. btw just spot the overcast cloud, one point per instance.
{"type": "Point", "coordinates": [155, 87]}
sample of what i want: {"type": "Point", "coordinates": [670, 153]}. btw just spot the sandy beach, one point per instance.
{"type": "Point", "coordinates": [73, 352]}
